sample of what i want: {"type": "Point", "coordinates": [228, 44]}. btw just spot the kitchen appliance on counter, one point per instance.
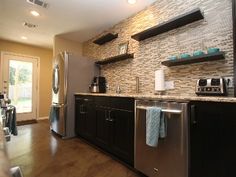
{"type": "Point", "coordinates": [170, 157]}
{"type": "Point", "coordinates": [211, 87]}
{"type": "Point", "coordinates": [4, 100]}
{"type": "Point", "coordinates": [70, 75]}
{"type": "Point", "coordinates": [98, 85]}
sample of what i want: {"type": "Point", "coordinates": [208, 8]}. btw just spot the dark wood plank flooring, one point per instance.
{"type": "Point", "coordinates": [39, 153]}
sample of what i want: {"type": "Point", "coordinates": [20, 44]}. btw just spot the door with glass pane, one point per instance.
{"type": "Point", "coordinates": [20, 79]}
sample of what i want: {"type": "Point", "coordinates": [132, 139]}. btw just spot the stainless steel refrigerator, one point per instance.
{"type": "Point", "coordinates": [70, 75]}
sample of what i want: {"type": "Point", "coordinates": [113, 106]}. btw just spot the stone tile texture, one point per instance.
{"type": "Point", "coordinates": [214, 31]}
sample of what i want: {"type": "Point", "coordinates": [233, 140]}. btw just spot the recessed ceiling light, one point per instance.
{"type": "Point", "coordinates": [131, 1]}
{"type": "Point", "coordinates": [34, 13]}
{"type": "Point", "coordinates": [24, 38]}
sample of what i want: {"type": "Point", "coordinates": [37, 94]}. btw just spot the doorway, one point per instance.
{"type": "Point", "coordinates": [19, 79]}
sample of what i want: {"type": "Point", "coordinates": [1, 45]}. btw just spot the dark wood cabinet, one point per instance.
{"type": "Point", "coordinates": [107, 122]}
{"type": "Point", "coordinates": [115, 126]}
{"type": "Point", "coordinates": [84, 117]}
{"type": "Point", "coordinates": [102, 133]}
{"type": "Point", "coordinates": [123, 134]}
{"type": "Point", "coordinates": [213, 140]}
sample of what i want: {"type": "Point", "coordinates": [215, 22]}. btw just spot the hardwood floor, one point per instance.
{"type": "Point", "coordinates": [39, 153]}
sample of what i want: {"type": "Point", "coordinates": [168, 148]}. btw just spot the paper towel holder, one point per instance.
{"type": "Point", "coordinates": [159, 82]}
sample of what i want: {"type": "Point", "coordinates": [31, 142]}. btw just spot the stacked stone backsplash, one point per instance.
{"type": "Point", "coordinates": [214, 31]}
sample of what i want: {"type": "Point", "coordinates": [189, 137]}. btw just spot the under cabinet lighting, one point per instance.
{"type": "Point", "coordinates": [34, 13]}
{"type": "Point", "coordinates": [131, 1]}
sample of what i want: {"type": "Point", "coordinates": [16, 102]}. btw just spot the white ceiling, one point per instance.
{"type": "Point", "coordinates": [77, 20]}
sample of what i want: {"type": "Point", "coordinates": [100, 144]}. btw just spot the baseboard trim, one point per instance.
{"type": "Point", "coordinates": [42, 118]}
{"type": "Point", "coordinates": [26, 122]}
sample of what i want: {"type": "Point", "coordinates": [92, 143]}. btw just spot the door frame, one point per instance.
{"type": "Point", "coordinates": [37, 72]}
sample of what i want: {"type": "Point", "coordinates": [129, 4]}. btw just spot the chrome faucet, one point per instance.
{"type": "Point", "coordinates": [118, 90]}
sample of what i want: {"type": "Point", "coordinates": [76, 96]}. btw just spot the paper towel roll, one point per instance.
{"type": "Point", "coordinates": [159, 80]}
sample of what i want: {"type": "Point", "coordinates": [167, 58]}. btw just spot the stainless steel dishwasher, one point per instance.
{"type": "Point", "coordinates": [170, 157]}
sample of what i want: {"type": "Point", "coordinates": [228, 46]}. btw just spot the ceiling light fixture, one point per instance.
{"type": "Point", "coordinates": [34, 13]}
{"type": "Point", "coordinates": [131, 1]}
{"type": "Point", "coordinates": [24, 38]}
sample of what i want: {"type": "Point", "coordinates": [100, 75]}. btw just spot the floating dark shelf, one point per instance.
{"type": "Point", "coordinates": [115, 59]}
{"type": "Point", "coordinates": [106, 38]}
{"type": "Point", "coordinates": [174, 23]}
{"type": "Point", "coordinates": [195, 59]}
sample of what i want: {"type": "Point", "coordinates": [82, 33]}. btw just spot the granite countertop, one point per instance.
{"type": "Point", "coordinates": [167, 97]}
{"type": "Point", "coordinates": [4, 161]}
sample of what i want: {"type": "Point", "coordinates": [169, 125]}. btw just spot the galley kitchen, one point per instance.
{"type": "Point", "coordinates": [131, 88]}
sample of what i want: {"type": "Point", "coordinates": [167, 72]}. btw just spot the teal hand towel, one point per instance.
{"type": "Point", "coordinates": [155, 126]}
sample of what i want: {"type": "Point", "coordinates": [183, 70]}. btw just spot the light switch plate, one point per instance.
{"type": "Point", "coordinates": [169, 85]}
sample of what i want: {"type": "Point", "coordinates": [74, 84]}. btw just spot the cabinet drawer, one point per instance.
{"type": "Point", "coordinates": [102, 101]}
{"type": "Point", "coordinates": [115, 102]}
{"type": "Point", "coordinates": [122, 103]}
{"type": "Point", "coordinates": [84, 98]}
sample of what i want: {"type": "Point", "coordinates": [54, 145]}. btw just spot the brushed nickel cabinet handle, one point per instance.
{"type": "Point", "coordinates": [193, 116]}
{"type": "Point", "coordinates": [81, 109]}
{"type": "Point", "coordinates": [110, 118]}
{"type": "Point", "coordinates": [106, 118]}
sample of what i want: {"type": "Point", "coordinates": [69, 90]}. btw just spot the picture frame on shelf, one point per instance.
{"type": "Point", "coordinates": [123, 48]}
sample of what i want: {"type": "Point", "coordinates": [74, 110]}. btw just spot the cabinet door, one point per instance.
{"type": "Point", "coordinates": [102, 135]}
{"type": "Point", "coordinates": [85, 118]}
{"type": "Point", "coordinates": [213, 140]}
{"type": "Point", "coordinates": [80, 115]}
{"type": "Point", "coordinates": [89, 119]}
{"type": "Point", "coordinates": [122, 122]}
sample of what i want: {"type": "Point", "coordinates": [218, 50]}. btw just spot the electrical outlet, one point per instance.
{"type": "Point", "coordinates": [169, 85]}
{"type": "Point", "coordinates": [229, 82]}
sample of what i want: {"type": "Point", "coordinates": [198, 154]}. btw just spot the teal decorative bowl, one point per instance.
{"type": "Point", "coordinates": [173, 58]}
{"type": "Point", "coordinates": [198, 52]}
{"type": "Point", "coordinates": [184, 55]}
{"type": "Point", "coordinates": [212, 50]}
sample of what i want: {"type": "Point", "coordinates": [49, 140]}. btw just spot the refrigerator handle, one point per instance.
{"type": "Point", "coordinates": [57, 105]}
